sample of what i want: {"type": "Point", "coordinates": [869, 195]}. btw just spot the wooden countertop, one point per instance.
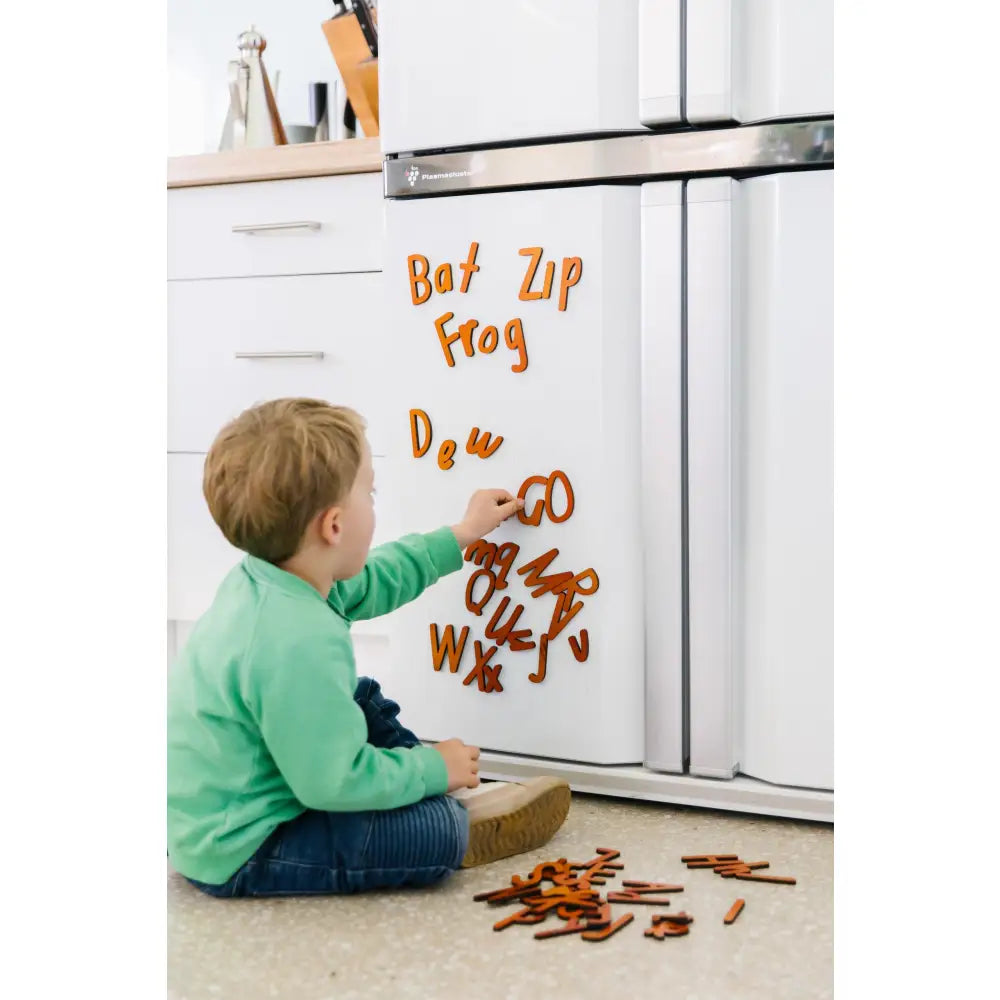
{"type": "Point", "coordinates": [306, 159]}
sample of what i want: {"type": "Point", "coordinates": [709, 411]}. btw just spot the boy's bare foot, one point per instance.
{"type": "Point", "coordinates": [508, 818]}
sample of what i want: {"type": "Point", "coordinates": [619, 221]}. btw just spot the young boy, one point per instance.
{"type": "Point", "coordinates": [288, 774]}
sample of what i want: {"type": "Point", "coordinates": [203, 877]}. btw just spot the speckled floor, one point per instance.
{"type": "Point", "coordinates": [437, 944]}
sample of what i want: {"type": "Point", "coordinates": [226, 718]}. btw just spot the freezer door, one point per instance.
{"type": "Point", "coordinates": [454, 73]}
{"type": "Point", "coordinates": [757, 61]}
{"type": "Point", "coordinates": [516, 316]}
{"type": "Point", "coordinates": [659, 62]}
{"type": "Point", "coordinates": [760, 489]}
{"type": "Point", "coordinates": [662, 475]}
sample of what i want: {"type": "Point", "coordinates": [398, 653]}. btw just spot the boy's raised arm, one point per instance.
{"type": "Point", "coordinates": [395, 574]}
{"type": "Point", "coordinates": [398, 572]}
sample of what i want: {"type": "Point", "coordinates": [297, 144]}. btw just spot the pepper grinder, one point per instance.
{"type": "Point", "coordinates": [319, 111]}
{"type": "Point", "coordinates": [253, 121]}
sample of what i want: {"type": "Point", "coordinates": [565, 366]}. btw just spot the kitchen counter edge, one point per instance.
{"type": "Point", "coordinates": [307, 159]}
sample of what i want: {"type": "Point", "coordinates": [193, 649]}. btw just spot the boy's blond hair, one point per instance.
{"type": "Point", "coordinates": [275, 467]}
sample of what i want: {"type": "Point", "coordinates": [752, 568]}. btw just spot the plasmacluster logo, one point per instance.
{"type": "Point", "coordinates": [412, 173]}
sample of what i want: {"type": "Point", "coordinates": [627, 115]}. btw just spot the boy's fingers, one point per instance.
{"type": "Point", "coordinates": [509, 508]}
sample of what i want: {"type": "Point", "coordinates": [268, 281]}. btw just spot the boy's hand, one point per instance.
{"type": "Point", "coordinates": [462, 762]}
{"type": "Point", "coordinates": [487, 510]}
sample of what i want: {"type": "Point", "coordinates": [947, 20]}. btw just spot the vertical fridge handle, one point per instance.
{"type": "Point", "coordinates": [714, 619]}
{"type": "Point", "coordinates": [662, 472]}
{"type": "Point", "coordinates": [661, 45]}
{"type": "Point", "coordinates": [709, 57]}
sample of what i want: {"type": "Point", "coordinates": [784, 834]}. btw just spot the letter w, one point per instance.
{"type": "Point", "coordinates": [479, 444]}
{"type": "Point", "coordinates": [446, 646]}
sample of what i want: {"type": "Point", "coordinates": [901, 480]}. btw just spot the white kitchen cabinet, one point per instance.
{"type": "Point", "coordinates": [564, 399]}
{"type": "Point", "coordinates": [198, 555]}
{"type": "Point", "coordinates": [454, 73]}
{"type": "Point", "coordinates": [232, 344]}
{"type": "Point", "coordinates": [756, 326]}
{"type": "Point", "coordinates": [310, 225]}
{"type": "Point", "coordinates": [291, 308]}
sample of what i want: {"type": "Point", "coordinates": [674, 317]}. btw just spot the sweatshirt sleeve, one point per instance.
{"type": "Point", "coordinates": [317, 735]}
{"type": "Point", "coordinates": [395, 574]}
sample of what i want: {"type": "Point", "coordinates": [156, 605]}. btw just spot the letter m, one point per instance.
{"type": "Point", "coordinates": [482, 553]}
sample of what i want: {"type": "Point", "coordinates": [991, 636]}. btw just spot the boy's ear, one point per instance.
{"type": "Point", "coordinates": [331, 526]}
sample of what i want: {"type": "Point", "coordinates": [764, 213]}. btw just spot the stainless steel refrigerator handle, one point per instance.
{"type": "Point", "coordinates": [271, 355]}
{"type": "Point", "coordinates": [275, 227]}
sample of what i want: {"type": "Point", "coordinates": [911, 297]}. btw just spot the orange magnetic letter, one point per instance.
{"type": "Point", "coordinates": [445, 452]}
{"type": "Point", "coordinates": [535, 253]}
{"type": "Point", "coordinates": [445, 646]}
{"type": "Point", "coordinates": [419, 450]}
{"type": "Point", "coordinates": [481, 445]}
{"type": "Point", "coordinates": [571, 270]}
{"type": "Point", "coordinates": [469, 267]}
{"type": "Point", "coordinates": [418, 278]}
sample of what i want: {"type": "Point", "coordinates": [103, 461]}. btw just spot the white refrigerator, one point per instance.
{"type": "Point", "coordinates": [609, 242]}
{"type": "Point", "coordinates": [461, 73]}
{"type": "Point", "coordinates": [657, 359]}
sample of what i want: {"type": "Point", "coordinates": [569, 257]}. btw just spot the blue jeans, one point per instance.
{"type": "Point", "coordinates": [325, 852]}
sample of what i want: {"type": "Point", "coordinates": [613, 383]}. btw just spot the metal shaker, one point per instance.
{"type": "Point", "coordinates": [253, 121]}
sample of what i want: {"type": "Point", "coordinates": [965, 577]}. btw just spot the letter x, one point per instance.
{"type": "Point", "coordinates": [487, 677]}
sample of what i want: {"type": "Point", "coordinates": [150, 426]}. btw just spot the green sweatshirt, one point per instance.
{"type": "Point", "coordinates": [261, 718]}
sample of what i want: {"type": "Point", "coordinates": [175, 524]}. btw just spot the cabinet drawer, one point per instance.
{"type": "Point", "coordinates": [235, 343]}
{"type": "Point", "coordinates": [314, 225]}
{"type": "Point", "coordinates": [198, 555]}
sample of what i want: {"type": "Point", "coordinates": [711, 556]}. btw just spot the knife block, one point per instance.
{"type": "Point", "coordinates": [358, 69]}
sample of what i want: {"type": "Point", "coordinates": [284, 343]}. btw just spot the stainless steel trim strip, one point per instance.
{"type": "Point", "coordinates": [659, 155]}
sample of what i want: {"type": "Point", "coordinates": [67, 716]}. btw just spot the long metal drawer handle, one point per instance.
{"type": "Point", "coordinates": [274, 227]}
{"type": "Point", "coordinates": [268, 355]}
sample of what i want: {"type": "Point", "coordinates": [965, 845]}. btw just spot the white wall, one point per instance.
{"type": "Point", "coordinates": [201, 40]}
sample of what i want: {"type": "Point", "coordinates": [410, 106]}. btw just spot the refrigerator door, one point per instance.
{"type": "Point", "coordinates": [549, 301]}
{"type": "Point", "coordinates": [760, 486]}
{"type": "Point", "coordinates": [712, 470]}
{"type": "Point", "coordinates": [785, 249]}
{"type": "Point", "coordinates": [659, 62]}
{"type": "Point", "coordinates": [662, 473]}
{"type": "Point", "coordinates": [757, 61]}
{"type": "Point", "coordinates": [454, 73]}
